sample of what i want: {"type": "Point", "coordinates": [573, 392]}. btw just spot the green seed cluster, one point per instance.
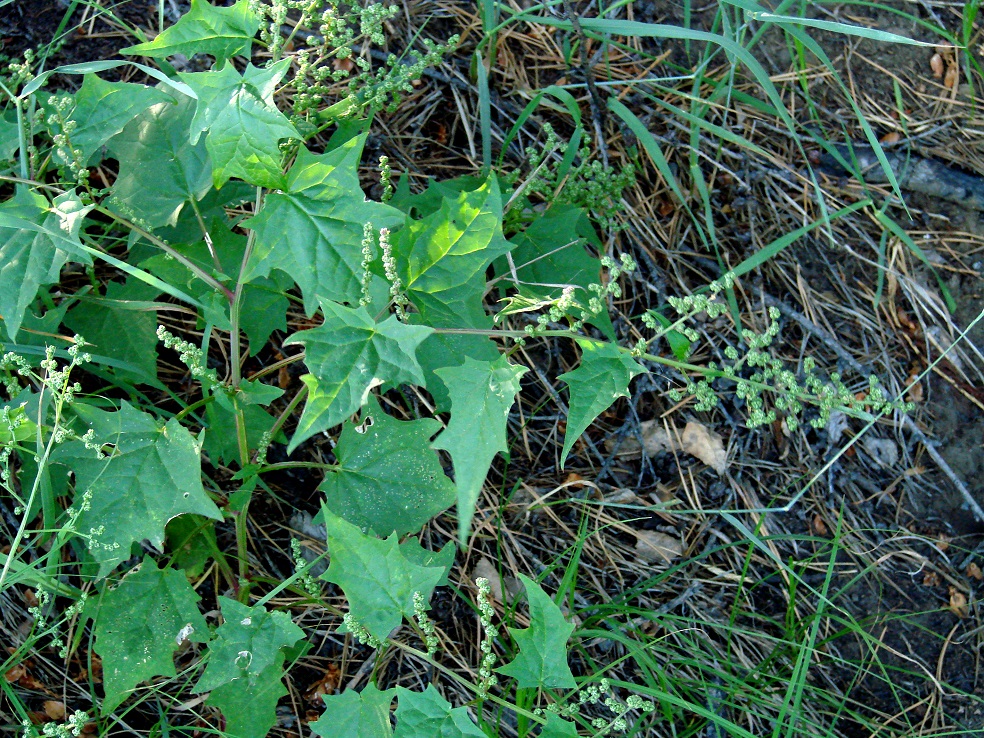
{"type": "Point", "coordinates": [308, 583]}
{"type": "Point", "coordinates": [588, 184]}
{"type": "Point", "coordinates": [189, 355]}
{"type": "Point", "coordinates": [755, 373]}
{"type": "Point", "coordinates": [486, 679]}
{"type": "Point", "coordinates": [427, 626]}
{"type": "Point", "coordinates": [70, 729]}
{"type": "Point", "coordinates": [592, 694]}
{"type": "Point", "coordinates": [61, 127]}
{"type": "Point", "coordinates": [359, 632]}
{"type": "Point", "coordinates": [342, 50]}
{"type": "Point", "coordinates": [566, 307]}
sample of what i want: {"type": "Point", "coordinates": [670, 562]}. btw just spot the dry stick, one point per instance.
{"type": "Point", "coordinates": [593, 99]}
{"type": "Point", "coordinates": [907, 421]}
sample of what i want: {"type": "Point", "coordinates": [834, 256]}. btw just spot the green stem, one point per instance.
{"type": "Point", "coordinates": [294, 465]}
{"type": "Point", "coordinates": [291, 406]}
{"type": "Point", "coordinates": [181, 415]}
{"type": "Point", "coordinates": [168, 249]}
{"type": "Point", "coordinates": [235, 300]}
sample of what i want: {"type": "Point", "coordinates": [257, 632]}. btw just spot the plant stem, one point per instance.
{"type": "Point", "coordinates": [168, 249]}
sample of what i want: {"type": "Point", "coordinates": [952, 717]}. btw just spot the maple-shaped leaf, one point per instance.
{"type": "Point", "coordinates": [388, 478]}
{"type": "Point", "coordinates": [442, 258]}
{"type": "Point", "coordinates": [205, 29]}
{"type": "Point", "coordinates": [542, 658]}
{"type": "Point", "coordinates": [441, 350]}
{"type": "Point", "coordinates": [352, 714]}
{"type": "Point", "coordinates": [313, 231]}
{"type": "Point", "coordinates": [243, 122]}
{"type": "Point", "coordinates": [602, 377]}
{"type": "Point", "coordinates": [249, 641]}
{"type": "Point", "coordinates": [482, 393]}
{"type": "Point", "coordinates": [375, 575]}
{"type": "Point", "coordinates": [151, 475]}
{"type": "Point", "coordinates": [36, 240]}
{"type": "Point", "coordinates": [140, 624]}
{"type": "Point", "coordinates": [249, 705]}
{"type": "Point", "coordinates": [160, 169]}
{"type": "Point", "coordinates": [428, 715]}
{"type": "Point", "coordinates": [102, 109]}
{"type": "Point", "coordinates": [349, 354]}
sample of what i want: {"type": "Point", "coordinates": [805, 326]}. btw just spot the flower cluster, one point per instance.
{"type": "Point", "coordinates": [755, 373]}
{"type": "Point", "coordinates": [486, 679]}
{"type": "Point", "coordinates": [368, 256]}
{"type": "Point", "coordinates": [398, 296]}
{"type": "Point", "coordinates": [588, 184]}
{"type": "Point", "coordinates": [358, 630]}
{"type": "Point", "coordinates": [308, 583]}
{"type": "Point", "coordinates": [189, 355]}
{"type": "Point", "coordinates": [426, 624]}
{"type": "Point", "coordinates": [592, 694]}
{"type": "Point", "coordinates": [342, 50]}
{"type": "Point", "coordinates": [61, 126]}
{"type": "Point", "coordinates": [567, 306]}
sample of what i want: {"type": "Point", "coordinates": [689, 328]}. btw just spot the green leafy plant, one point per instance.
{"type": "Point", "coordinates": [222, 209]}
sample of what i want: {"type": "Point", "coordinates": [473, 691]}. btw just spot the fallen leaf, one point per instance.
{"type": "Point", "coordinates": [622, 497]}
{"type": "Point", "coordinates": [915, 392]}
{"type": "Point", "coordinates": [14, 673]}
{"type": "Point", "coordinates": [952, 77]}
{"type": "Point", "coordinates": [485, 568]}
{"type": "Point", "coordinates": [819, 527]}
{"type": "Point", "coordinates": [55, 709]}
{"type": "Point", "coordinates": [327, 685]}
{"type": "Point", "coordinates": [885, 451]}
{"type": "Point", "coordinates": [655, 440]}
{"type": "Point", "coordinates": [973, 570]}
{"type": "Point", "coordinates": [936, 64]}
{"type": "Point", "coordinates": [892, 137]}
{"type": "Point", "coordinates": [654, 547]}
{"type": "Point", "coordinates": [706, 445]}
{"type": "Point", "coordinates": [958, 603]}
{"type": "Point", "coordinates": [932, 579]}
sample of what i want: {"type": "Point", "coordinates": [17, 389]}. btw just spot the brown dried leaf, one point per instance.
{"type": "Point", "coordinates": [973, 570]}
{"type": "Point", "coordinates": [819, 527]}
{"type": "Point", "coordinates": [327, 685]}
{"type": "Point", "coordinates": [654, 547]}
{"type": "Point", "coordinates": [55, 709]}
{"type": "Point", "coordinates": [706, 445]}
{"type": "Point", "coordinates": [485, 568]}
{"type": "Point", "coordinates": [958, 603]}
{"type": "Point", "coordinates": [952, 77]}
{"type": "Point", "coordinates": [932, 579]}
{"type": "Point", "coordinates": [655, 440]}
